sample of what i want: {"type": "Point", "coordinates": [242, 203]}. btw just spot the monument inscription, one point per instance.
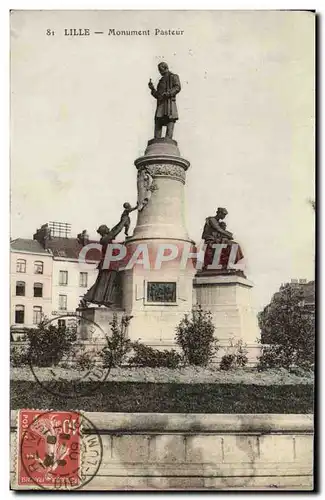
{"type": "Point", "coordinates": [161, 291]}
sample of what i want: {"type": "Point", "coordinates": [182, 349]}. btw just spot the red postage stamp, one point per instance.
{"type": "Point", "coordinates": [49, 451]}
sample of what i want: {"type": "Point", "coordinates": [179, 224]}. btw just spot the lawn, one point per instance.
{"type": "Point", "coordinates": [183, 390]}
{"type": "Point", "coordinates": [184, 375]}
{"type": "Point", "coordinates": [166, 397]}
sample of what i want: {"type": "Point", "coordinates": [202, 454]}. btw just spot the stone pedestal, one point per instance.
{"type": "Point", "coordinates": [228, 298]}
{"type": "Point", "coordinates": [159, 298]}
{"type": "Point", "coordinates": [164, 215]}
{"type": "Point", "coordinates": [93, 317]}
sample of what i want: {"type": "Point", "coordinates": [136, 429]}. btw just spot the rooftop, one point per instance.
{"type": "Point", "coordinates": [68, 248]}
{"type": "Point", "coordinates": [27, 245]}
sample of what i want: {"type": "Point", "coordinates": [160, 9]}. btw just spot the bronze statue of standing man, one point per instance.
{"type": "Point", "coordinates": [167, 89]}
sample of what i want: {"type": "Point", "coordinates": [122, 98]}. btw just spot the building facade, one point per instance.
{"type": "Point", "coordinates": [31, 283]}
{"type": "Point", "coordinates": [71, 279]}
{"type": "Point", "coordinates": [47, 279]}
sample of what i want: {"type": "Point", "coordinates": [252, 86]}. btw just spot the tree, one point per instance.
{"type": "Point", "coordinates": [288, 328]}
{"type": "Point", "coordinates": [195, 335]}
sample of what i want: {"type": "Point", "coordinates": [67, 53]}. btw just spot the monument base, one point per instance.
{"type": "Point", "coordinates": [157, 290]}
{"type": "Point", "coordinates": [102, 317]}
{"type": "Point", "coordinates": [157, 300]}
{"type": "Point", "coordinates": [228, 298]}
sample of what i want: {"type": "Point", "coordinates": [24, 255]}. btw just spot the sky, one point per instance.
{"type": "Point", "coordinates": [81, 113]}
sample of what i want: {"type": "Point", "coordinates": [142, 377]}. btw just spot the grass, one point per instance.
{"type": "Point", "coordinates": [166, 397]}
{"type": "Point", "coordinates": [182, 375]}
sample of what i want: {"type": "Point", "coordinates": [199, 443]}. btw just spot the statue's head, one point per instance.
{"type": "Point", "coordinates": [127, 205]}
{"type": "Point", "coordinates": [103, 229]}
{"type": "Point", "coordinates": [162, 68]}
{"type": "Point", "coordinates": [221, 213]}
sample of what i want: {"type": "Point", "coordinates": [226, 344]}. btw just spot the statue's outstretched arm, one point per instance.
{"type": "Point", "coordinates": [116, 229]}
{"type": "Point", "coordinates": [134, 208]}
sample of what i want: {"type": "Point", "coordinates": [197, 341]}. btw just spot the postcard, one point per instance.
{"type": "Point", "coordinates": [162, 318]}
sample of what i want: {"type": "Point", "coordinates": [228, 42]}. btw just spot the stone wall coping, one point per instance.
{"type": "Point", "coordinates": [222, 280]}
{"type": "Point", "coordinates": [196, 423]}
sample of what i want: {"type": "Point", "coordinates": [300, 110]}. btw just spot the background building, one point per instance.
{"type": "Point", "coordinates": [47, 279]}
{"type": "Point", "coordinates": [70, 279]}
{"type": "Point", "coordinates": [31, 283]}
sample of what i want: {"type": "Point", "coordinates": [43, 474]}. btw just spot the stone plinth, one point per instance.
{"type": "Point", "coordinates": [155, 451]}
{"type": "Point", "coordinates": [228, 297]}
{"type": "Point", "coordinates": [161, 222]}
{"type": "Point", "coordinates": [96, 316]}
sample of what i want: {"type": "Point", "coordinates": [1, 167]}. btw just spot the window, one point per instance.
{"type": "Point", "coordinates": [20, 314]}
{"type": "Point", "coordinates": [83, 279]}
{"type": "Point", "coordinates": [38, 289]}
{"type": "Point", "coordinates": [63, 278]}
{"type": "Point", "coordinates": [37, 315]}
{"type": "Point", "coordinates": [62, 302]}
{"type": "Point", "coordinates": [21, 266]}
{"type": "Point", "coordinates": [20, 288]}
{"type": "Point", "coordinates": [38, 267]}
{"type": "Point", "coordinates": [61, 323]}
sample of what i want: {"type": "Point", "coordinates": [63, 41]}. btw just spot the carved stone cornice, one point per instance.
{"type": "Point", "coordinates": [167, 170]}
{"type": "Point", "coordinates": [163, 158]}
{"type": "Point", "coordinates": [164, 166]}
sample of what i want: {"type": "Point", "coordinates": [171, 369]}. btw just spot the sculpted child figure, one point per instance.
{"type": "Point", "coordinates": [125, 220]}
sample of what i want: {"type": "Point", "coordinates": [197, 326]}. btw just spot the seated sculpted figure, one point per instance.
{"type": "Point", "coordinates": [215, 228]}
{"type": "Point", "coordinates": [215, 232]}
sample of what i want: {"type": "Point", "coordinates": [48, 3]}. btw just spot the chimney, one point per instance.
{"type": "Point", "coordinates": [43, 235]}
{"type": "Point", "coordinates": [83, 238]}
